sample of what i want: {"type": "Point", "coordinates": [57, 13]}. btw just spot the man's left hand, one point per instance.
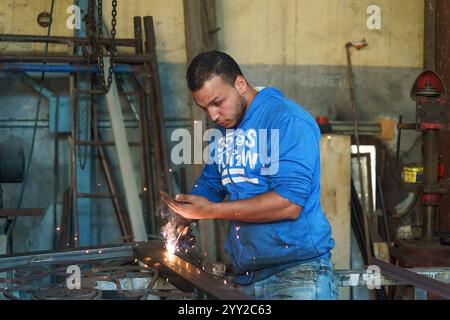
{"type": "Point", "coordinates": [189, 206]}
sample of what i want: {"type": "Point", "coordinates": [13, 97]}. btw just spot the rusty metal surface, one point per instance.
{"type": "Point", "coordinates": [30, 212]}
{"type": "Point", "coordinates": [183, 274]}
{"type": "Point", "coordinates": [418, 253]}
{"type": "Point", "coordinates": [411, 278]}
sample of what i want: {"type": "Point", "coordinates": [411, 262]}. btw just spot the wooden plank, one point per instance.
{"type": "Point", "coordinates": [125, 162]}
{"type": "Point", "coordinates": [335, 197]}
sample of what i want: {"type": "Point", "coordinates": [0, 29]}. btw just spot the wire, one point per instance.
{"type": "Point", "coordinates": [33, 139]}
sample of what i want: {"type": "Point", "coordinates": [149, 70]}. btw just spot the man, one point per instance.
{"type": "Point", "coordinates": [279, 238]}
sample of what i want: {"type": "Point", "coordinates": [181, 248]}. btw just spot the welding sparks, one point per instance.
{"type": "Point", "coordinates": [172, 245]}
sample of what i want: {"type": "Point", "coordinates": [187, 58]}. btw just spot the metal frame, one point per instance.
{"type": "Point", "coordinates": [180, 273]}
{"type": "Point", "coordinates": [155, 174]}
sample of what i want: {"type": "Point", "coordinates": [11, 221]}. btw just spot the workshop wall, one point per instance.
{"type": "Point", "coordinates": [18, 101]}
{"type": "Point", "coordinates": [295, 45]}
{"type": "Point", "coordinates": [298, 46]}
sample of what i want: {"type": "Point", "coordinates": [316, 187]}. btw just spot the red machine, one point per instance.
{"type": "Point", "coordinates": [432, 117]}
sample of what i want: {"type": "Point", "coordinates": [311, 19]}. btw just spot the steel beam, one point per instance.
{"type": "Point", "coordinates": [359, 278]}
{"type": "Point", "coordinates": [183, 274]}
{"type": "Point", "coordinates": [410, 278]}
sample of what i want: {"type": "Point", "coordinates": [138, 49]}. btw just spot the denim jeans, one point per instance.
{"type": "Point", "coordinates": [309, 281]}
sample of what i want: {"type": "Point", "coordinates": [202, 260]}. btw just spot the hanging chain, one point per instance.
{"type": "Point", "coordinates": [112, 52]}
{"type": "Point", "coordinates": [91, 32]}
{"type": "Point", "coordinates": [83, 150]}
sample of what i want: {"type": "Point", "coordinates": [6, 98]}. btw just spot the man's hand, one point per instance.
{"type": "Point", "coordinates": [189, 206]}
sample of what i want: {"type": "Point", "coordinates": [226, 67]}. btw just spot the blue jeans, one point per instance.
{"type": "Point", "coordinates": [309, 281]}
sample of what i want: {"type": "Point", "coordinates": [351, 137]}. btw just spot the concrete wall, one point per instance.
{"type": "Point", "coordinates": [298, 46]}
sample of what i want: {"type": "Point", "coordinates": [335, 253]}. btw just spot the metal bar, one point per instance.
{"type": "Point", "coordinates": [64, 40]}
{"type": "Point", "coordinates": [119, 207]}
{"type": "Point", "coordinates": [31, 259]}
{"type": "Point", "coordinates": [105, 143]}
{"type": "Point", "coordinates": [138, 35]}
{"type": "Point", "coordinates": [60, 58]}
{"type": "Point", "coordinates": [22, 212]}
{"type": "Point", "coordinates": [63, 68]}
{"type": "Point", "coordinates": [149, 174]}
{"type": "Point", "coordinates": [150, 44]}
{"type": "Point", "coordinates": [183, 274]}
{"type": "Point", "coordinates": [63, 229]}
{"type": "Point", "coordinates": [74, 221]}
{"type": "Point", "coordinates": [99, 195]}
{"type": "Point", "coordinates": [408, 277]}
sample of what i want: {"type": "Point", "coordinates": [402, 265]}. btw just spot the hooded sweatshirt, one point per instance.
{"type": "Point", "coordinates": [275, 148]}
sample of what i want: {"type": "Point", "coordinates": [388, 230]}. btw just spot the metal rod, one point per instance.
{"type": "Point", "coordinates": [64, 40]}
{"type": "Point", "coordinates": [430, 160]}
{"type": "Point", "coordinates": [119, 207]}
{"type": "Point", "coordinates": [366, 211]}
{"type": "Point", "coordinates": [157, 99]}
{"type": "Point", "coordinates": [99, 195]}
{"type": "Point", "coordinates": [104, 143]}
{"type": "Point", "coordinates": [63, 68]}
{"type": "Point", "coordinates": [73, 81]}
{"type": "Point", "coordinates": [59, 58]}
{"type": "Point", "coordinates": [138, 35]}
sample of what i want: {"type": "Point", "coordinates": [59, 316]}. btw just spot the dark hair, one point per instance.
{"type": "Point", "coordinates": [208, 64]}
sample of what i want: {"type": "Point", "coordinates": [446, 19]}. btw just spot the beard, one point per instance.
{"type": "Point", "coordinates": [241, 108]}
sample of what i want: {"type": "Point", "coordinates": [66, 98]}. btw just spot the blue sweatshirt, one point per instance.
{"type": "Point", "coordinates": [274, 148]}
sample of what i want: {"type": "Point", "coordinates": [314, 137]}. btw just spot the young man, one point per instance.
{"type": "Point", "coordinates": [269, 166]}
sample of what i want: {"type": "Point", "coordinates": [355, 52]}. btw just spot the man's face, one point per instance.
{"type": "Point", "coordinates": [222, 102]}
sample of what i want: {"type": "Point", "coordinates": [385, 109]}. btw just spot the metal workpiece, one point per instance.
{"type": "Point", "coordinates": [184, 275]}
{"type": "Point", "coordinates": [139, 270]}
{"type": "Point", "coordinates": [97, 253]}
